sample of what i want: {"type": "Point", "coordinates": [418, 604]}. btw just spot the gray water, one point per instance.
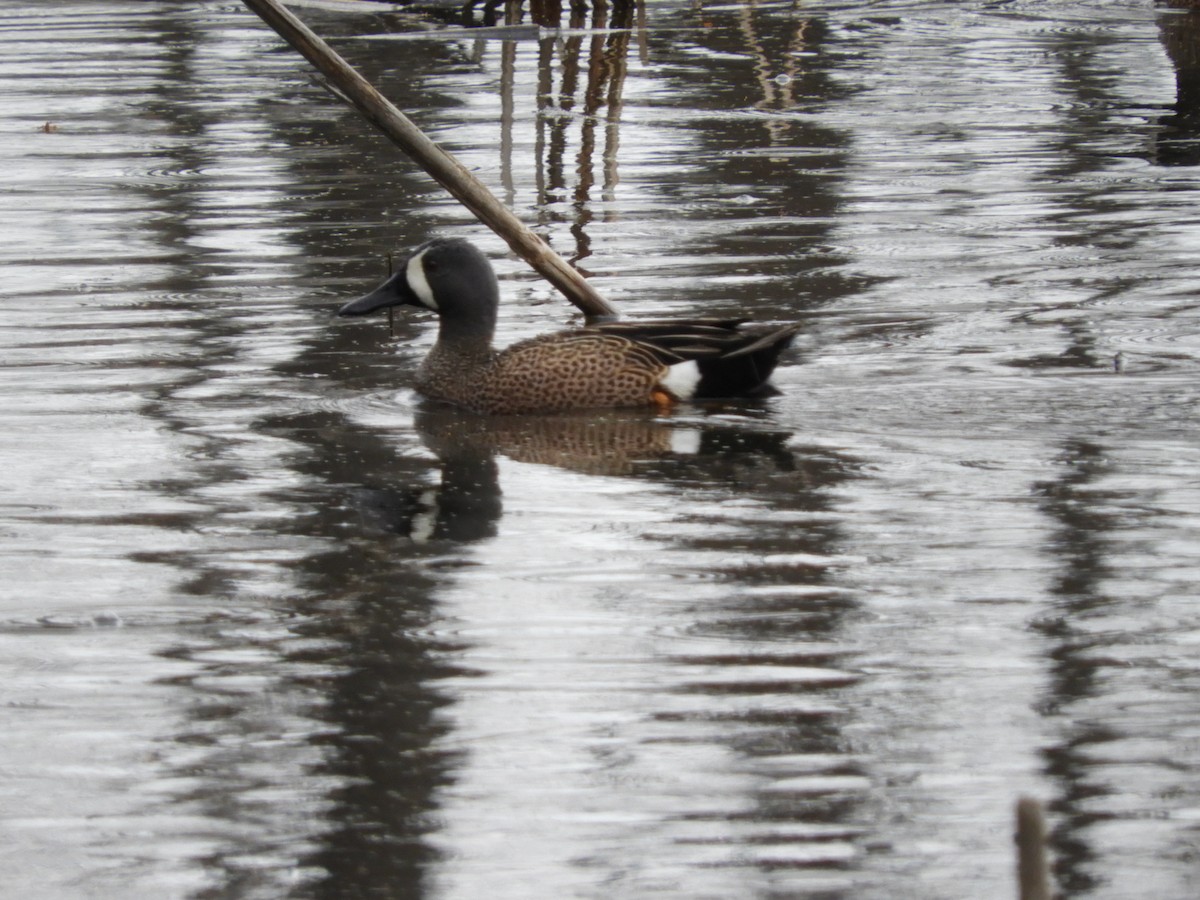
{"type": "Point", "coordinates": [272, 627]}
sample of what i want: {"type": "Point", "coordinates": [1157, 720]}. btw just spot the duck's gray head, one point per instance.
{"type": "Point", "coordinates": [447, 275]}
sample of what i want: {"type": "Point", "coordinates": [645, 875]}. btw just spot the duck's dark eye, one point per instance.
{"type": "Point", "coordinates": [431, 265]}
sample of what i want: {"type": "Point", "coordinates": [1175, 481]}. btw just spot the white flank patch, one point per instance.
{"type": "Point", "coordinates": [415, 273]}
{"type": "Point", "coordinates": [681, 379]}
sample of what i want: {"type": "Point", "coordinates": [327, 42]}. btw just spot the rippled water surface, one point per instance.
{"type": "Point", "coordinates": [271, 627]}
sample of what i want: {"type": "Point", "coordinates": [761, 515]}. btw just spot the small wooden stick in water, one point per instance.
{"type": "Point", "coordinates": [1033, 872]}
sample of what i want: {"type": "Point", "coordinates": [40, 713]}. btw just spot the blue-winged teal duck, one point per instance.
{"type": "Point", "coordinates": [652, 363]}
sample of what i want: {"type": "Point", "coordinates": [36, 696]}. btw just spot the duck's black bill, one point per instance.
{"type": "Point", "coordinates": [393, 292]}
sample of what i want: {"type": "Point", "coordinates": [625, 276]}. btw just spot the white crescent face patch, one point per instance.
{"type": "Point", "coordinates": [414, 272]}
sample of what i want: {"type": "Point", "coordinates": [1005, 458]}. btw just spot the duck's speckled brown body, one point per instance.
{"type": "Point", "coordinates": [609, 365]}
{"type": "Point", "coordinates": [551, 373]}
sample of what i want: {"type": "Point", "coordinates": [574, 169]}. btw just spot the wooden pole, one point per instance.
{"type": "Point", "coordinates": [440, 165]}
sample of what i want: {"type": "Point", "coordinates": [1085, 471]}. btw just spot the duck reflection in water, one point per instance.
{"type": "Point", "coordinates": [466, 504]}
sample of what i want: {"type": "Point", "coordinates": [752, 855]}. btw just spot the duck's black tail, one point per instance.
{"type": "Point", "coordinates": [745, 370]}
